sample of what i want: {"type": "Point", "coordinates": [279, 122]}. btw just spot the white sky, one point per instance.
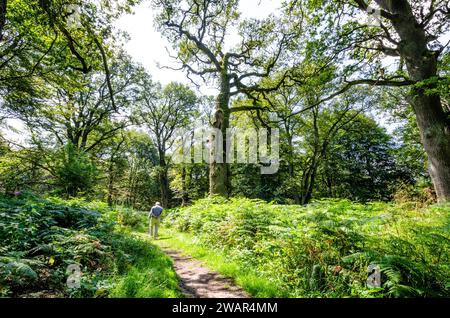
{"type": "Point", "coordinates": [148, 47]}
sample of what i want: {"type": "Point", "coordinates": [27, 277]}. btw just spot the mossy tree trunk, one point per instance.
{"type": "Point", "coordinates": [219, 175]}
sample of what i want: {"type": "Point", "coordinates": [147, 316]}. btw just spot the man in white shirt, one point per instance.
{"type": "Point", "coordinates": [155, 218]}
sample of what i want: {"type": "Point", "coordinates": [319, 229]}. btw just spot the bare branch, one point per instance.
{"type": "Point", "coordinates": [197, 42]}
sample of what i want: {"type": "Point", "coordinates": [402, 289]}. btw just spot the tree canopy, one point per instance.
{"type": "Point", "coordinates": [321, 69]}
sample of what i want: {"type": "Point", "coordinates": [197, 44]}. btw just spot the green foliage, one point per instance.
{"type": "Point", "coordinates": [46, 40]}
{"type": "Point", "coordinates": [16, 173]}
{"type": "Point", "coordinates": [361, 163]}
{"type": "Point", "coordinates": [123, 179]}
{"type": "Point", "coordinates": [42, 237]}
{"type": "Point", "coordinates": [421, 193]}
{"type": "Point", "coordinates": [75, 173]}
{"type": "Point", "coordinates": [147, 272]}
{"type": "Point", "coordinates": [47, 236]}
{"type": "Point", "coordinates": [132, 218]}
{"type": "Point", "coordinates": [324, 249]}
{"type": "Point", "coordinates": [410, 153]}
{"type": "Point", "coordinates": [65, 75]}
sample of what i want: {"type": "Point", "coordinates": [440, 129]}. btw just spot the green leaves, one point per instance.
{"type": "Point", "coordinates": [324, 249]}
{"type": "Point", "coordinates": [16, 272]}
{"type": "Point", "coordinates": [75, 172]}
{"type": "Point", "coordinates": [42, 237]}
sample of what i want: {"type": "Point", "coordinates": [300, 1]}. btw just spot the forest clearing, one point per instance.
{"type": "Point", "coordinates": [224, 149]}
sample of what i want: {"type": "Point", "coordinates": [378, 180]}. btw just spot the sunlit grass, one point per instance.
{"type": "Point", "coordinates": [216, 260]}
{"type": "Point", "coordinates": [150, 275]}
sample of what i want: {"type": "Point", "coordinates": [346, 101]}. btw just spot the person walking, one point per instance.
{"type": "Point", "coordinates": [155, 218]}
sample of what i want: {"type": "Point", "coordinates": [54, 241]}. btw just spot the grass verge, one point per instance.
{"type": "Point", "coordinates": [150, 275]}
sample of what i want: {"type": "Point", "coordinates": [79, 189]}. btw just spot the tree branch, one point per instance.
{"type": "Point", "coordinates": [246, 108]}
{"type": "Point", "coordinates": [350, 84]}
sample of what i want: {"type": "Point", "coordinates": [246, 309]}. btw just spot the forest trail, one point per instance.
{"type": "Point", "coordinates": [197, 281]}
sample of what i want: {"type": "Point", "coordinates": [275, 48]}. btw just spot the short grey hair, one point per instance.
{"type": "Point", "coordinates": [157, 203]}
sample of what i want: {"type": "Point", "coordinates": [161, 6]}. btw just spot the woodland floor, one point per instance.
{"type": "Point", "coordinates": [197, 281]}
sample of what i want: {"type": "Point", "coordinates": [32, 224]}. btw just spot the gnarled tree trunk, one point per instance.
{"type": "Point", "coordinates": [431, 118]}
{"type": "Point", "coordinates": [435, 134]}
{"type": "Point", "coordinates": [219, 174]}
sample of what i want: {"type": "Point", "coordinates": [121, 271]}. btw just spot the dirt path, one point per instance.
{"type": "Point", "coordinates": [197, 281]}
